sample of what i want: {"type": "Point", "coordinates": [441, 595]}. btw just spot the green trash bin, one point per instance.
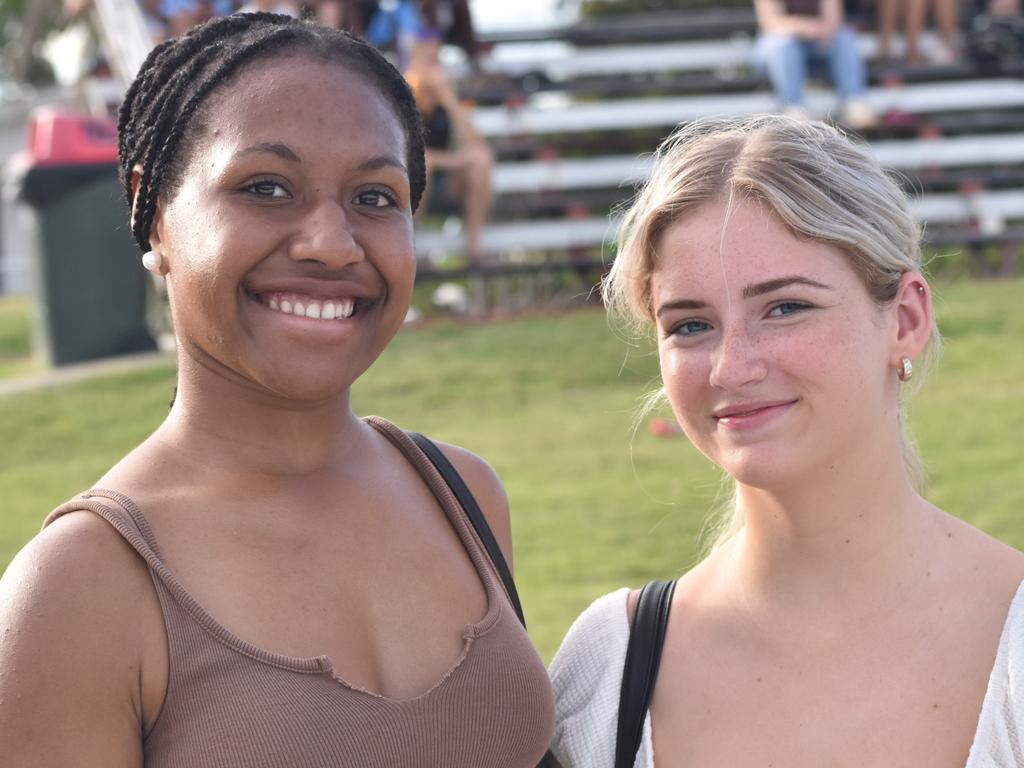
{"type": "Point", "coordinates": [89, 288]}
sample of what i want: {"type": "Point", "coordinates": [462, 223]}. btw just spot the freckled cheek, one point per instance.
{"type": "Point", "coordinates": [685, 378]}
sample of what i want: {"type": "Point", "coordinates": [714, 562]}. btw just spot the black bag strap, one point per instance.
{"type": "Point", "coordinates": [483, 530]}
{"type": "Point", "coordinates": [476, 517]}
{"type": "Point", "coordinates": [643, 657]}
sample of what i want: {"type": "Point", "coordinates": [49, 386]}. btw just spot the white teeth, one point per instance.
{"type": "Point", "coordinates": [338, 309]}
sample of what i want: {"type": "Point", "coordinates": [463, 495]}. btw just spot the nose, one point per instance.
{"type": "Point", "coordinates": [737, 360]}
{"type": "Point", "coordinates": [327, 237]}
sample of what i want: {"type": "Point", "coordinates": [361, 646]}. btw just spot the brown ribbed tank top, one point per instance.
{"type": "Point", "coordinates": [230, 704]}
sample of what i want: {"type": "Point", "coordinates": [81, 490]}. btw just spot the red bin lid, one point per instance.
{"type": "Point", "coordinates": [62, 137]}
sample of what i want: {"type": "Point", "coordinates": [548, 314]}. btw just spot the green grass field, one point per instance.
{"type": "Point", "coordinates": [549, 400]}
{"type": "Point", "coordinates": [16, 358]}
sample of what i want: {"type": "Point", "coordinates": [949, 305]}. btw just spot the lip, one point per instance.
{"type": "Point", "coordinates": [317, 288]}
{"type": "Point", "coordinates": [740, 416]}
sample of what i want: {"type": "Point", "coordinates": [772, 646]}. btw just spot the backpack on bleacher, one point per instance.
{"type": "Point", "coordinates": [995, 45]}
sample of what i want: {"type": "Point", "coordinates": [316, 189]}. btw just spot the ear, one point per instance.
{"type": "Point", "coordinates": [913, 306]}
{"type": "Point", "coordinates": [136, 178]}
{"type": "Point", "coordinates": [155, 228]}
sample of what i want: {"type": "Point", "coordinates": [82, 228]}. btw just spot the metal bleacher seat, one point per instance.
{"type": "Point", "coordinates": [570, 154]}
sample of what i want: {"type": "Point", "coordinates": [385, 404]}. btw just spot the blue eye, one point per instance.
{"type": "Point", "coordinates": [689, 328]}
{"type": "Point", "coordinates": [376, 198]}
{"type": "Point", "coordinates": [784, 308]}
{"type": "Point", "coordinates": [266, 188]}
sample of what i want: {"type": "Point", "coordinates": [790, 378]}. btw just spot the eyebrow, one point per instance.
{"type": "Point", "coordinates": [749, 292]}
{"type": "Point", "coordinates": [759, 289]}
{"type": "Point", "coordinates": [274, 148]}
{"type": "Point", "coordinates": [382, 161]}
{"type": "Point", "coordinates": [287, 153]}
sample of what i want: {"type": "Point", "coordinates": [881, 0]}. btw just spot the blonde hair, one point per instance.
{"type": "Point", "coordinates": [818, 182]}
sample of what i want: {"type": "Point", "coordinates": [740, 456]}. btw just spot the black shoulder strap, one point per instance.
{"type": "Point", "coordinates": [643, 656]}
{"type": "Point", "coordinates": [476, 517]}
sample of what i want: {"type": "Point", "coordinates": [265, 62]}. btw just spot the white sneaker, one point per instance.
{"type": "Point", "coordinates": [858, 114]}
{"type": "Point", "coordinates": [797, 112]}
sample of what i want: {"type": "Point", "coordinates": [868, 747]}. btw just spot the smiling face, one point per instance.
{"type": "Point", "coordinates": [777, 363]}
{"type": "Point", "coordinates": [289, 244]}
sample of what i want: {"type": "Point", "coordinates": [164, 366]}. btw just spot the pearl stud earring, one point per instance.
{"type": "Point", "coordinates": [153, 261]}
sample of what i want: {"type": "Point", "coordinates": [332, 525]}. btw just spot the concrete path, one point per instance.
{"type": "Point", "coordinates": [82, 371]}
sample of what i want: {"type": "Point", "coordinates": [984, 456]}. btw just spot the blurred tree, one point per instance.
{"type": "Point", "coordinates": [23, 23]}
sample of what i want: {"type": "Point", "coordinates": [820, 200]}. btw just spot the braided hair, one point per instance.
{"type": "Point", "coordinates": [162, 111]}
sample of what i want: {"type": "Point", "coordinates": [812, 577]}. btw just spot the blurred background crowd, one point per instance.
{"type": "Point", "coordinates": [539, 114]}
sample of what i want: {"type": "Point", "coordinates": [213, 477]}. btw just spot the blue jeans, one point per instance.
{"type": "Point", "coordinates": [787, 60]}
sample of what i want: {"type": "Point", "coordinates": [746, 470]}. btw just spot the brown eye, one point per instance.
{"type": "Point", "coordinates": [267, 188]}
{"type": "Point", "coordinates": [376, 198]}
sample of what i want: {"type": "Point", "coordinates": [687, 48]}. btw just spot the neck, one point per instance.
{"type": "Point", "coordinates": [852, 536]}
{"type": "Point", "coordinates": [231, 427]}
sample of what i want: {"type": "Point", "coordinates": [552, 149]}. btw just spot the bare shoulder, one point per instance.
{"type": "Point", "coordinates": [486, 487]}
{"type": "Point", "coordinates": [984, 564]}
{"type": "Point", "coordinates": [74, 605]}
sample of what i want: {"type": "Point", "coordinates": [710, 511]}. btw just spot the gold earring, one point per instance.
{"type": "Point", "coordinates": [905, 369]}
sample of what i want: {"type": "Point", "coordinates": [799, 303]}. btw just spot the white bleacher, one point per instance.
{"type": "Point", "coordinates": [556, 113]}
{"type": "Point", "coordinates": [628, 170]}
{"type": "Point", "coordinates": [560, 60]}
{"type": "Point", "coordinates": [562, 115]}
{"type": "Point", "coordinates": [524, 236]}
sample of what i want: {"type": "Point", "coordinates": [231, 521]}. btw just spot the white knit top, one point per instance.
{"type": "Point", "coordinates": [586, 675]}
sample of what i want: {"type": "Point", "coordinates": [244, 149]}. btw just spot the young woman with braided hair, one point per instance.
{"type": "Point", "coordinates": [269, 580]}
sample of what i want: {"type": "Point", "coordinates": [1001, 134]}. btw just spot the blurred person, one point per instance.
{"type": "Point", "coordinates": [839, 618]}
{"type": "Point", "coordinates": [393, 25]}
{"type": "Point", "coordinates": [156, 22]}
{"type": "Point", "coordinates": [1004, 8]}
{"type": "Point", "coordinates": [795, 35]}
{"type": "Point", "coordinates": [182, 15]}
{"type": "Point", "coordinates": [269, 580]}
{"type": "Point", "coordinates": [346, 15]}
{"type": "Point", "coordinates": [453, 144]}
{"type": "Point", "coordinates": [947, 17]}
{"type": "Point", "coordinates": [454, 19]}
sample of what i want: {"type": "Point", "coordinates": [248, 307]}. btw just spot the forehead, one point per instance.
{"type": "Point", "coordinates": [722, 246]}
{"type": "Point", "coordinates": [304, 100]}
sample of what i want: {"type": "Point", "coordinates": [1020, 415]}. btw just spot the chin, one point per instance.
{"type": "Point", "coordinates": [309, 386]}
{"type": "Point", "coordinates": [755, 469]}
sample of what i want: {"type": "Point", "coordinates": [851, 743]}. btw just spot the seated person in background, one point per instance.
{"type": "Point", "coordinates": [914, 11]}
{"type": "Point", "coordinates": [797, 34]}
{"type": "Point", "coordinates": [452, 142]}
{"type": "Point", "coordinates": [347, 15]}
{"type": "Point", "coordinates": [182, 15]}
{"type": "Point", "coordinates": [394, 25]}
{"type": "Point", "coordinates": [1004, 7]}
{"type": "Point", "coordinates": [455, 21]}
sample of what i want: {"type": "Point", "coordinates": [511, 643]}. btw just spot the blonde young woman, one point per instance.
{"type": "Point", "coordinates": [842, 619]}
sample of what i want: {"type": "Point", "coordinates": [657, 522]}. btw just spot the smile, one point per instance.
{"type": "Point", "coordinates": [312, 307]}
{"type": "Point", "coordinates": [750, 415]}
